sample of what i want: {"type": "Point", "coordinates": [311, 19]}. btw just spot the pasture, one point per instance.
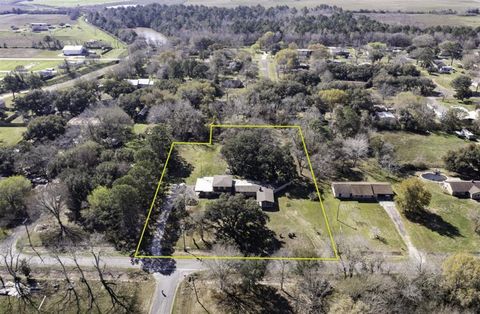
{"type": "Point", "coordinates": [79, 32]}
{"type": "Point", "coordinates": [425, 20]}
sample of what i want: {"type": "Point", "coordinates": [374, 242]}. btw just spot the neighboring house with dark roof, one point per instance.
{"type": "Point", "coordinates": [362, 190]}
{"type": "Point", "coordinates": [461, 188]}
{"type": "Point", "coordinates": [208, 187]}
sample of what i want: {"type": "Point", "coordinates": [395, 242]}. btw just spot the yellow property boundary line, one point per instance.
{"type": "Point", "coordinates": [210, 142]}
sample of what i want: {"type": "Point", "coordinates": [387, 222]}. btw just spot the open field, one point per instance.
{"type": "Point", "coordinates": [425, 20]}
{"type": "Point", "coordinates": [10, 136]}
{"type": "Point", "coordinates": [73, 3]}
{"type": "Point", "coordinates": [205, 159]}
{"type": "Point", "coordinates": [28, 65]}
{"type": "Point", "coordinates": [22, 20]}
{"type": "Point", "coordinates": [428, 149]}
{"type": "Point", "coordinates": [448, 227]}
{"type": "Point", "coordinates": [29, 53]}
{"type": "Point", "coordinates": [79, 32]}
{"type": "Point", "coordinates": [350, 4]}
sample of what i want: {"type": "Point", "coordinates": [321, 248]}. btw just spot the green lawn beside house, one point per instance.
{"type": "Point", "coordinates": [448, 228]}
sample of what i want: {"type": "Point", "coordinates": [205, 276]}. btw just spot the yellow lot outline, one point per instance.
{"type": "Point", "coordinates": [210, 142]}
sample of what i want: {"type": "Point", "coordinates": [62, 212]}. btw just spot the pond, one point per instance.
{"type": "Point", "coordinates": [434, 176]}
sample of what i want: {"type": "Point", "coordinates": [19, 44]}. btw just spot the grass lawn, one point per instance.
{"type": "Point", "coordinates": [205, 159]}
{"type": "Point", "coordinates": [428, 149]}
{"type": "Point", "coordinates": [140, 128]}
{"type": "Point", "coordinates": [10, 136]}
{"type": "Point", "coordinates": [449, 228]}
{"type": "Point", "coordinates": [352, 220]}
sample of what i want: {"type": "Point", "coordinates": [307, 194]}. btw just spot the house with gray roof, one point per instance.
{"type": "Point", "coordinates": [463, 188]}
{"type": "Point", "coordinates": [362, 190]}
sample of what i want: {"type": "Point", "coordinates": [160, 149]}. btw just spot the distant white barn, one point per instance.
{"type": "Point", "coordinates": [74, 50]}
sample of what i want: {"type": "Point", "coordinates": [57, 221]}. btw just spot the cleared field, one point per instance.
{"type": "Point", "coordinates": [22, 20]}
{"type": "Point", "coordinates": [351, 4]}
{"type": "Point", "coordinates": [448, 227]}
{"type": "Point", "coordinates": [29, 53]}
{"type": "Point", "coordinates": [428, 149]}
{"type": "Point", "coordinates": [73, 3]}
{"type": "Point", "coordinates": [10, 136]}
{"type": "Point", "coordinates": [29, 65]}
{"type": "Point", "coordinates": [79, 32]}
{"type": "Point", "coordinates": [425, 20]}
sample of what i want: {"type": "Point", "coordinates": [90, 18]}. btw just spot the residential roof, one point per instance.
{"type": "Point", "coordinates": [459, 186]}
{"type": "Point", "coordinates": [474, 189]}
{"type": "Point", "coordinates": [244, 186]}
{"type": "Point", "coordinates": [204, 184]}
{"type": "Point", "coordinates": [265, 195]}
{"type": "Point", "coordinates": [382, 188]}
{"type": "Point", "coordinates": [70, 47]}
{"type": "Point", "coordinates": [223, 181]}
{"type": "Point", "coordinates": [362, 188]}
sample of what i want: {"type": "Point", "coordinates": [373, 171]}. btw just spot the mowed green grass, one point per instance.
{"type": "Point", "coordinates": [403, 5]}
{"type": "Point", "coordinates": [206, 160]}
{"type": "Point", "coordinates": [10, 136]}
{"type": "Point", "coordinates": [428, 149]}
{"type": "Point", "coordinates": [10, 65]}
{"type": "Point", "coordinates": [354, 221]}
{"type": "Point", "coordinates": [454, 232]}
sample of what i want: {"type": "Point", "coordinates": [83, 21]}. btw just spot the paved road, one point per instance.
{"type": "Point", "coordinates": [167, 285]}
{"type": "Point", "coordinates": [415, 255]}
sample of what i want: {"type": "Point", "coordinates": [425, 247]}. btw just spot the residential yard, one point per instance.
{"type": "Point", "coordinates": [205, 159]}
{"type": "Point", "coordinates": [357, 222]}
{"type": "Point", "coordinates": [10, 136]}
{"type": "Point", "coordinates": [448, 228]}
{"type": "Point", "coordinates": [427, 149]}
